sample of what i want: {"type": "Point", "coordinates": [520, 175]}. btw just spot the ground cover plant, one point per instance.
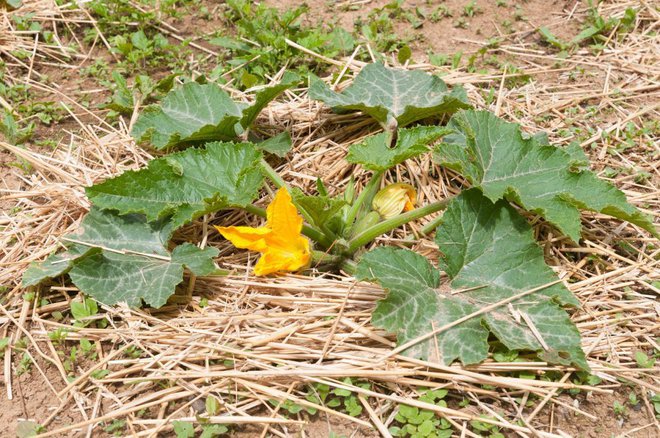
{"type": "Point", "coordinates": [487, 247]}
{"type": "Point", "coordinates": [378, 218]}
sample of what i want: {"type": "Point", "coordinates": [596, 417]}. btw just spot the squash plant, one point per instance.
{"type": "Point", "coordinates": [500, 284]}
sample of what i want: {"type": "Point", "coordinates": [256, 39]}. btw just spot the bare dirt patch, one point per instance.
{"type": "Point", "coordinates": [459, 27]}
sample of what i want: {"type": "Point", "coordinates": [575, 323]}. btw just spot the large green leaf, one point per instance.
{"type": "Point", "coordinates": [190, 113]}
{"type": "Point", "coordinates": [124, 259]}
{"type": "Point", "coordinates": [185, 185]}
{"type": "Point", "coordinates": [196, 113]}
{"type": "Point", "coordinates": [375, 152]}
{"type": "Point", "coordinates": [54, 265]}
{"type": "Point", "coordinates": [498, 159]}
{"type": "Point", "coordinates": [390, 95]}
{"type": "Point", "coordinates": [266, 95]}
{"type": "Point", "coordinates": [491, 255]}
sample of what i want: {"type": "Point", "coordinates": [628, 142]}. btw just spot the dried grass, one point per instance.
{"type": "Point", "coordinates": [269, 339]}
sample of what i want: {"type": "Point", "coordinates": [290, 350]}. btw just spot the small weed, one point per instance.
{"type": "Point", "coordinates": [643, 361]}
{"type": "Point", "coordinates": [116, 428]}
{"type": "Point", "coordinates": [486, 429]}
{"type": "Point", "coordinates": [82, 311]}
{"type": "Point", "coordinates": [260, 42]}
{"type": "Point", "coordinates": [4, 343]}
{"type": "Point", "coordinates": [24, 365]}
{"type": "Point", "coordinates": [632, 399]}
{"type": "Point", "coordinates": [339, 398]}
{"type": "Point", "coordinates": [133, 352]}
{"type": "Point", "coordinates": [14, 132]}
{"type": "Point", "coordinates": [461, 23]}
{"type": "Point", "coordinates": [58, 336]}
{"type": "Point", "coordinates": [471, 9]}
{"type": "Point", "coordinates": [439, 13]}
{"type": "Point", "coordinates": [185, 429]}
{"type": "Point", "coordinates": [421, 423]}
{"type": "Point", "coordinates": [655, 399]}
{"type": "Point", "coordinates": [619, 409]}
{"type": "Point", "coordinates": [584, 378]}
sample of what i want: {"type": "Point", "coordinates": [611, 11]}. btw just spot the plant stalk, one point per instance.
{"type": "Point", "coordinates": [388, 225]}
{"type": "Point", "coordinates": [273, 175]}
{"type": "Point", "coordinates": [368, 190]}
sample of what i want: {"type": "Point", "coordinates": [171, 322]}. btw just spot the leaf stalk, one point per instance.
{"type": "Point", "coordinates": [388, 225]}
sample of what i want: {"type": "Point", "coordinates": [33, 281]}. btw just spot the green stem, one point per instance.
{"type": "Point", "coordinates": [307, 230]}
{"type": "Point", "coordinates": [349, 266]}
{"type": "Point", "coordinates": [388, 225]}
{"type": "Point", "coordinates": [431, 226]}
{"type": "Point", "coordinates": [368, 191]}
{"type": "Point", "coordinates": [324, 257]}
{"type": "Point", "coordinates": [274, 176]}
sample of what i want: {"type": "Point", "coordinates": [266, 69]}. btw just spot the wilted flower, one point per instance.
{"type": "Point", "coordinates": [394, 199]}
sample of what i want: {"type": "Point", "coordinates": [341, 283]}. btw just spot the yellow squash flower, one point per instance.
{"type": "Point", "coordinates": [282, 246]}
{"type": "Point", "coordinates": [394, 199]}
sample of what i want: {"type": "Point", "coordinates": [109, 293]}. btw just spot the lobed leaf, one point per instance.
{"type": "Point", "coordinates": [196, 113]}
{"type": "Point", "coordinates": [266, 95]}
{"type": "Point", "coordinates": [191, 113]}
{"type": "Point", "coordinates": [490, 254]}
{"type": "Point", "coordinates": [495, 157]}
{"type": "Point", "coordinates": [124, 258]}
{"type": "Point", "coordinates": [185, 185]}
{"type": "Point", "coordinates": [376, 154]}
{"type": "Point", "coordinates": [279, 145]}
{"type": "Point", "coordinates": [390, 95]}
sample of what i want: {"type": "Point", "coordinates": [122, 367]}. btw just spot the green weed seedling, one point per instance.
{"type": "Point", "coordinates": [337, 398]}
{"type": "Point", "coordinates": [414, 422]}
{"type": "Point", "coordinates": [486, 429]}
{"type": "Point", "coordinates": [4, 343]}
{"type": "Point", "coordinates": [185, 429]}
{"type": "Point", "coordinates": [643, 360]}
{"type": "Point", "coordinates": [83, 310]}
{"type": "Point", "coordinates": [596, 30]}
{"type": "Point", "coordinates": [655, 400]}
{"type": "Point", "coordinates": [116, 428]}
{"type": "Point", "coordinates": [260, 47]}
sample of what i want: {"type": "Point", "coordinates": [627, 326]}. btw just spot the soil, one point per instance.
{"type": "Point", "coordinates": [607, 422]}
{"type": "Point", "coordinates": [446, 36]}
{"type": "Point", "coordinates": [34, 400]}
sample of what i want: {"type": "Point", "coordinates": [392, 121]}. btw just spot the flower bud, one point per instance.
{"type": "Point", "coordinates": [394, 199]}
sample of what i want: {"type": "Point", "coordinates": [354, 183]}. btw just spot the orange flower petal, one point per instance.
{"type": "Point", "coordinates": [282, 216]}
{"type": "Point", "coordinates": [284, 259]}
{"type": "Point", "coordinates": [282, 246]}
{"type": "Point", "coordinates": [246, 237]}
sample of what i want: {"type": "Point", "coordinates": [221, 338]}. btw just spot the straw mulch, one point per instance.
{"type": "Point", "coordinates": [261, 339]}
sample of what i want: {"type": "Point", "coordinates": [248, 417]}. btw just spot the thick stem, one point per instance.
{"type": "Point", "coordinates": [388, 225]}
{"type": "Point", "coordinates": [307, 230]}
{"type": "Point", "coordinates": [324, 257]}
{"type": "Point", "coordinates": [431, 226]}
{"type": "Point", "coordinates": [349, 266]}
{"type": "Point", "coordinates": [368, 190]}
